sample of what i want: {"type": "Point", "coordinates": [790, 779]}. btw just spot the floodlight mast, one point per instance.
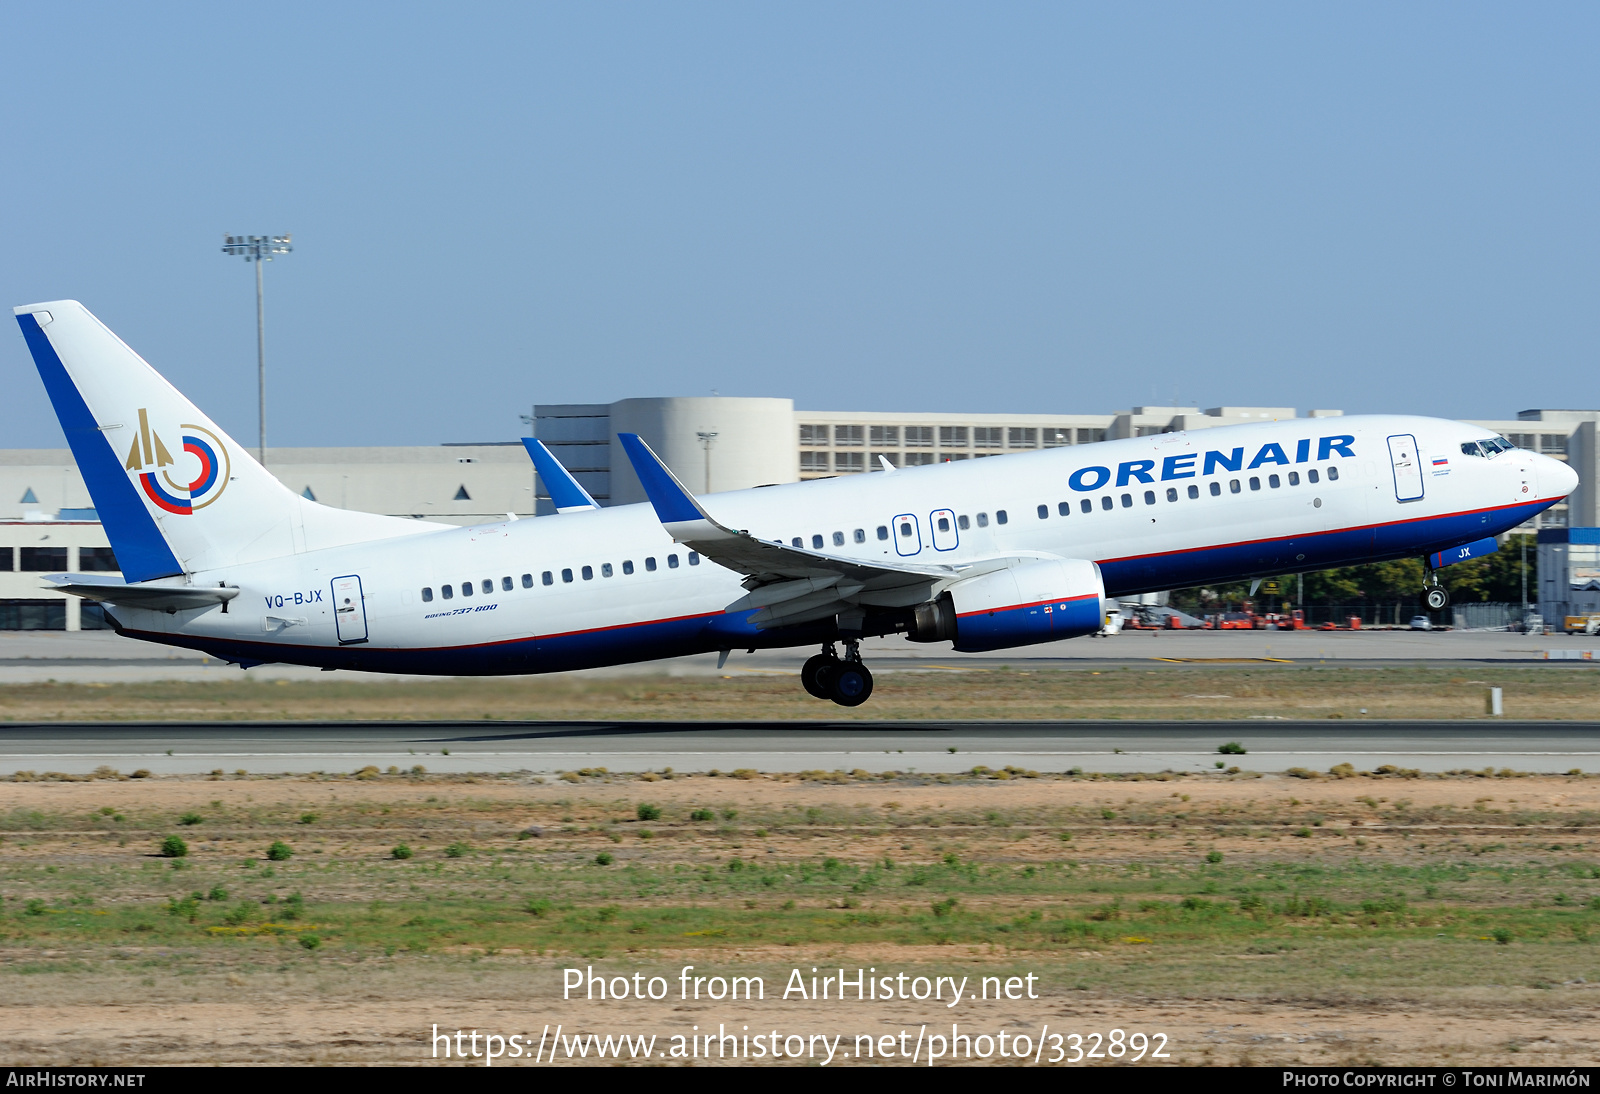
{"type": "Point", "coordinates": [259, 249]}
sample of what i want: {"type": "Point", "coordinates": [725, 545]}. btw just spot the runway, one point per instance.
{"type": "Point", "coordinates": [550, 748]}
{"type": "Point", "coordinates": [102, 657]}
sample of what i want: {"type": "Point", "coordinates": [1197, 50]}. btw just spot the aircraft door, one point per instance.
{"type": "Point", "coordinates": [1407, 467]}
{"type": "Point", "coordinates": [942, 527]}
{"type": "Point", "coordinates": [907, 534]}
{"type": "Point", "coordinates": [349, 610]}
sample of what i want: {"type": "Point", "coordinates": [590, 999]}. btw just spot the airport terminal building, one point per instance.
{"type": "Point", "coordinates": [47, 523]}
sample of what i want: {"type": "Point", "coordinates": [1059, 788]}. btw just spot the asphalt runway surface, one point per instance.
{"type": "Point", "coordinates": [102, 657]}
{"type": "Point", "coordinates": [550, 748]}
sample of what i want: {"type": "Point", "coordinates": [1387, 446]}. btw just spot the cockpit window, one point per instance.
{"type": "Point", "coordinates": [1489, 448]}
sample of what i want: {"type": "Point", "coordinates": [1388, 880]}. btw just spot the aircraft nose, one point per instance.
{"type": "Point", "coordinates": [1560, 477]}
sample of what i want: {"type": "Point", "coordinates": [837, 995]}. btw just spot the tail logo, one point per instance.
{"type": "Point", "coordinates": [152, 463]}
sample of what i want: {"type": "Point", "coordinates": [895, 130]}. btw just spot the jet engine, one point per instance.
{"type": "Point", "coordinates": [1040, 601]}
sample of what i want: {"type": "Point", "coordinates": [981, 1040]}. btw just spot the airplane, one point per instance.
{"type": "Point", "coordinates": [217, 555]}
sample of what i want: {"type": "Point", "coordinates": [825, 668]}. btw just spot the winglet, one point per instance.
{"type": "Point", "coordinates": [672, 500]}
{"type": "Point", "coordinates": [565, 492]}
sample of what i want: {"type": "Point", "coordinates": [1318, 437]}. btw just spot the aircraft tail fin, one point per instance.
{"type": "Point", "coordinates": [175, 493]}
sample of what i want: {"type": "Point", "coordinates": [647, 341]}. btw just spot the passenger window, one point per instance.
{"type": "Point", "coordinates": [861, 535]}
{"type": "Point", "coordinates": [1172, 493]}
{"type": "Point", "coordinates": [1274, 482]}
{"type": "Point", "coordinates": [527, 581]}
{"type": "Point", "coordinates": [883, 531]}
{"type": "Point", "coordinates": [627, 566]}
{"type": "Point", "coordinates": [905, 529]}
{"type": "Point", "coordinates": [983, 520]}
{"type": "Point", "coordinates": [1311, 475]}
{"type": "Point", "coordinates": [427, 595]}
{"type": "Point", "coordinates": [588, 573]}
{"type": "Point", "coordinates": [466, 588]}
{"type": "Point", "coordinates": [605, 569]}
{"type": "Point", "coordinates": [1000, 516]}
{"type": "Point", "coordinates": [650, 564]}
{"type": "Point", "coordinates": [838, 539]}
{"type": "Point", "coordinates": [1233, 486]}
{"type": "Point", "coordinates": [506, 584]}
{"type": "Point", "coordinates": [447, 591]}
{"type": "Point", "coordinates": [1064, 507]}
{"type": "Point", "coordinates": [566, 575]}
{"type": "Point", "coordinates": [488, 586]}
{"type": "Point", "coordinates": [1086, 505]}
{"type": "Point", "coordinates": [1149, 497]}
{"type": "Point", "coordinates": [1333, 474]}
{"type": "Point", "coordinates": [963, 523]}
{"type": "Point", "coordinates": [797, 542]}
{"type": "Point", "coordinates": [694, 558]}
{"type": "Point", "coordinates": [672, 562]}
{"type": "Point", "coordinates": [1127, 501]}
{"type": "Point", "coordinates": [1216, 489]}
{"type": "Point", "coordinates": [1106, 502]}
{"type": "Point", "coordinates": [816, 543]}
{"type": "Point", "coordinates": [944, 524]}
{"type": "Point", "coordinates": [1044, 511]}
{"type": "Point", "coordinates": [1255, 482]}
{"type": "Point", "coordinates": [1294, 478]}
{"type": "Point", "coordinates": [1194, 491]}
{"type": "Point", "coordinates": [548, 578]}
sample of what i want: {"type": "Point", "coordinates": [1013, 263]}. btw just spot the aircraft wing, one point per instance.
{"type": "Point", "coordinates": [565, 492]}
{"type": "Point", "coordinates": [787, 584]}
{"type": "Point", "coordinates": [161, 598]}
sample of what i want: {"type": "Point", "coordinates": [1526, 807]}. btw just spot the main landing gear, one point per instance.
{"type": "Point", "coordinates": [1435, 597]}
{"type": "Point", "coordinates": [844, 680]}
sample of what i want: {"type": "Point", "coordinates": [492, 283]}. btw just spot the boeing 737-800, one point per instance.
{"type": "Point", "coordinates": [217, 555]}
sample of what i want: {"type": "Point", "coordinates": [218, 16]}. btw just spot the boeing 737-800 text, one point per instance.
{"type": "Point", "coordinates": [217, 555]}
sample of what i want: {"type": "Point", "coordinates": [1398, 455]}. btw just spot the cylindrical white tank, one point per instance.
{"type": "Point", "coordinates": [753, 443]}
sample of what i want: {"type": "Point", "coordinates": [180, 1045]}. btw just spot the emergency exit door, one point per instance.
{"type": "Point", "coordinates": [349, 610]}
{"type": "Point", "coordinates": [1407, 467]}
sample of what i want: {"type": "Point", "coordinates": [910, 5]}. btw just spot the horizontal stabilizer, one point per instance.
{"type": "Point", "coordinates": [565, 491]}
{"type": "Point", "coordinates": [158, 598]}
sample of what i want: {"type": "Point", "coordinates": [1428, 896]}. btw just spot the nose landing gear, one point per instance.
{"type": "Point", "coordinates": [845, 680]}
{"type": "Point", "coordinates": [1435, 597]}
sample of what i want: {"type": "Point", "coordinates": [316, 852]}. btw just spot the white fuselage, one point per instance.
{"type": "Point", "coordinates": [619, 589]}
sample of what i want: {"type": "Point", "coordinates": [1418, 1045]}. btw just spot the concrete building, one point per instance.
{"type": "Point", "coordinates": [1569, 573]}
{"type": "Point", "coordinates": [713, 444]}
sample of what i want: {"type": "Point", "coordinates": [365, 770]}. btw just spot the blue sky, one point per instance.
{"type": "Point", "coordinates": [859, 206]}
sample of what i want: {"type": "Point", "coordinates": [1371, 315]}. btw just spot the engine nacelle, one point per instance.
{"type": "Point", "coordinates": [1040, 601]}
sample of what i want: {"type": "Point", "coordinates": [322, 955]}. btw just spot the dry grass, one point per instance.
{"type": "Point", "coordinates": [1182, 692]}
{"type": "Point", "coordinates": [1435, 920]}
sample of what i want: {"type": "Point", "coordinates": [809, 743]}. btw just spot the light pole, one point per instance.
{"type": "Point", "coordinates": [707, 440]}
{"type": "Point", "coordinates": [259, 249]}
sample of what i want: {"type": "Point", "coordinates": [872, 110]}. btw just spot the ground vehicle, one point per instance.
{"type": "Point", "coordinates": [1421, 623]}
{"type": "Point", "coordinates": [1582, 624]}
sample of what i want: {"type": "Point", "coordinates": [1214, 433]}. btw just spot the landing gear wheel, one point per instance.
{"type": "Point", "coordinates": [1436, 598]}
{"type": "Point", "coordinates": [849, 684]}
{"type": "Point", "coordinates": [814, 675]}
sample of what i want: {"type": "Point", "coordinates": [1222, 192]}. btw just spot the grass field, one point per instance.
{"type": "Point", "coordinates": [1557, 690]}
{"type": "Point", "coordinates": [1260, 920]}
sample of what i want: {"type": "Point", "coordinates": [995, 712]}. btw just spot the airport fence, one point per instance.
{"type": "Point", "coordinates": [1463, 616]}
{"type": "Point", "coordinates": [1399, 613]}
